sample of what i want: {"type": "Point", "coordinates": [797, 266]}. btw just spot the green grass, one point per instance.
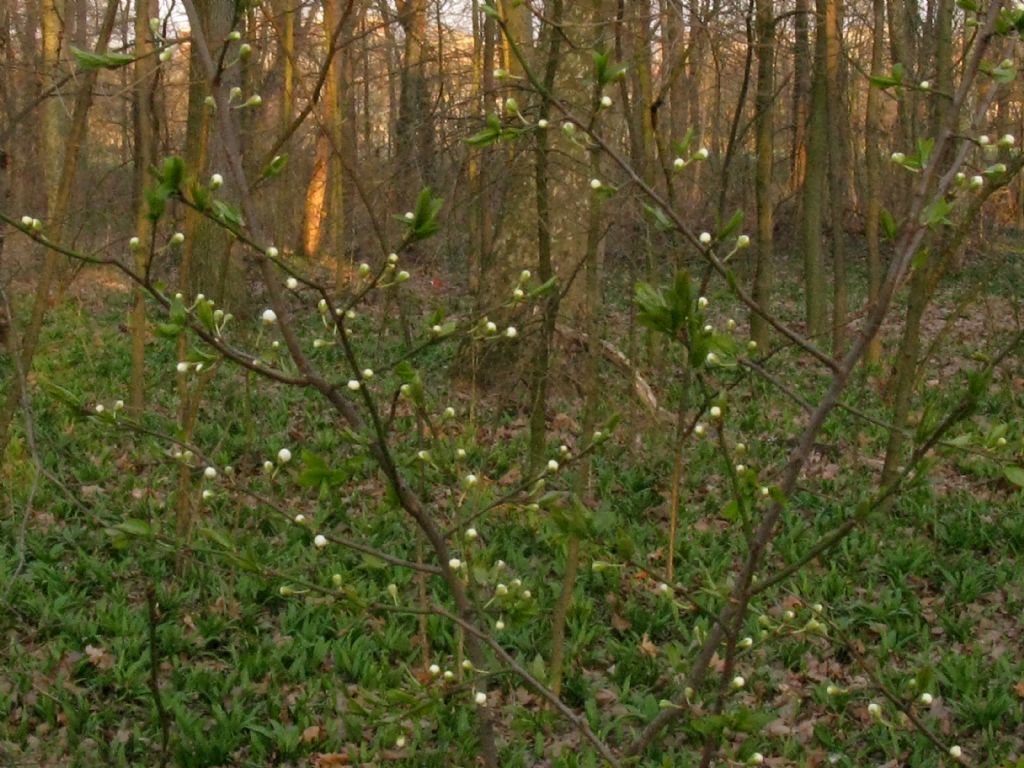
{"type": "Point", "coordinates": [931, 590]}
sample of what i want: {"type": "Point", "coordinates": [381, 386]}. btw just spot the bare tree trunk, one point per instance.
{"type": "Point", "coordinates": [872, 162]}
{"type": "Point", "coordinates": [838, 170]}
{"type": "Point", "coordinates": [145, 155]}
{"type": "Point", "coordinates": [334, 118]}
{"type": "Point", "coordinates": [59, 179]}
{"type": "Point", "coordinates": [814, 185]}
{"type": "Point", "coordinates": [765, 137]}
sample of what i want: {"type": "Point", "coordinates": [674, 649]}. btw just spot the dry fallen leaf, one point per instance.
{"type": "Point", "coordinates": [98, 657]}
{"type": "Point", "coordinates": [647, 647]}
{"type": "Point", "coordinates": [312, 733]}
{"type": "Point", "coordinates": [328, 759]}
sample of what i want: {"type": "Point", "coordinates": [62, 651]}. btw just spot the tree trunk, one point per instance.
{"type": "Point", "coordinates": [765, 138]}
{"type": "Point", "coordinates": [872, 162]}
{"type": "Point", "coordinates": [814, 187]}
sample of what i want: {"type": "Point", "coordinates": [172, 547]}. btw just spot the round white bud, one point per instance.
{"type": "Point", "coordinates": [595, 183]}
{"type": "Point", "coordinates": [269, 317]}
{"type": "Point", "coordinates": [284, 456]}
{"type": "Point", "coordinates": [455, 564]}
{"type": "Point", "coordinates": [705, 238]}
{"type": "Point", "coordinates": [353, 385]}
{"type": "Point", "coordinates": [210, 473]}
{"type": "Point", "coordinates": [320, 541]}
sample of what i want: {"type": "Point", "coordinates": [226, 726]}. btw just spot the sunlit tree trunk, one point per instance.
{"type": "Point", "coordinates": [801, 92]}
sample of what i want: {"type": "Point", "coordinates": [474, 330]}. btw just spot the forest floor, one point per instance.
{"type": "Point", "coordinates": [102, 605]}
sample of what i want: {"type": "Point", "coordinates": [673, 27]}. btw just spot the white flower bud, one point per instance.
{"type": "Point", "coordinates": [1007, 140]}
{"type": "Point", "coordinates": [897, 157]}
{"type": "Point", "coordinates": [299, 519]}
{"type": "Point", "coordinates": [402, 276]}
{"type": "Point", "coordinates": [207, 494]}
{"type": "Point", "coordinates": [756, 759]}
{"type": "Point", "coordinates": [480, 698]}
{"type": "Point", "coordinates": [216, 181]}
{"type": "Point", "coordinates": [269, 317]}
{"type": "Point", "coordinates": [491, 327]}
{"type": "Point", "coordinates": [716, 412]}
{"type": "Point", "coordinates": [100, 408]}
{"type": "Point", "coordinates": [705, 238]}
{"type": "Point", "coordinates": [268, 467]}
{"type": "Point", "coordinates": [471, 479]}
{"type": "Point", "coordinates": [254, 101]}
{"type": "Point", "coordinates": [182, 367]}
{"type": "Point", "coordinates": [701, 154]}
{"type": "Point", "coordinates": [542, 123]}
{"type": "Point", "coordinates": [977, 182]}
{"type": "Point", "coordinates": [367, 373]}
{"type": "Point", "coordinates": [500, 590]}
{"type": "Point", "coordinates": [471, 534]}
{"type": "Point", "coordinates": [699, 430]}
{"type": "Point", "coordinates": [448, 675]}
{"type": "Point", "coordinates": [291, 283]}
{"type": "Point", "coordinates": [400, 742]}
{"type": "Point", "coordinates": [679, 163]}
{"type": "Point", "coordinates": [925, 85]}
{"type": "Point", "coordinates": [284, 456]}
{"type": "Point", "coordinates": [925, 698]}
{"type": "Point", "coordinates": [743, 241]}
{"type": "Point", "coordinates": [177, 238]}
{"type": "Point", "coordinates": [746, 642]}
{"type": "Point", "coordinates": [606, 101]}
{"type": "Point", "coordinates": [984, 140]}
{"type": "Point", "coordinates": [134, 244]}
{"type": "Point", "coordinates": [210, 473]}
{"type": "Point", "coordinates": [434, 670]}
{"type": "Point", "coordinates": [449, 413]}
{"type": "Point", "coordinates": [595, 183]}
{"type": "Point", "coordinates": [460, 453]}
{"type": "Point", "coordinates": [320, 541]}
{"type": "Point", "coordinates": [874, 710]}
{"type": "Point", "coordinates": [738, 682]}
{"type": "Point", "coordinates": [353, 385]}
{"type": "Point", "coordinates": [511, 332]}
{"type": "Point", "coordinates": [525, 275]}
{"type": "Point", "coordinates": [955, 752]}
{"type": "Point", "coordinates": [499, 625]}
{"type": "Point", "coordinates": [272, 252]}
{"type": "Point", "coordinates": [364, 269]}
{"type": "Point", "coordinates": [552, 465]}
{"type": "Point", "coordinates": [409, 216]}
{"type": "Point", "coordinates": [119, 405]}
{"type": "Point", "coordinates": [454, 564]}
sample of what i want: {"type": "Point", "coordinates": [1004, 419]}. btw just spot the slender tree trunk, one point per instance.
{"type": "Point", "coordinates": [872, 162]}
{"type": "Point", "coordinates": [145, 72]}
{"type": "Point", "coordinates": [62, 154]}
{"type": "Point", "coordinates": [814, 186]}
{"type": "Point", "coordinates": [765, 138]}
{"type": "Point", "coordinates": [316, 196]}
{"type": "Point", "coordinates": [801, 92]}
{"type": "Point", "coordinates": [838, 170]}
{"type": "Point", "coordinates": [334, 119]}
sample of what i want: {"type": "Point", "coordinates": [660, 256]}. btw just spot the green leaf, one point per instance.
{"type": "Point", "coordinates": [424, 223]}
{"type": "Point", "coordinates": [172, 173]}
{"type": "Point", "coordinates": [937, 213]}
{"type": "Point", "coordinates": [168, 330]}
{"type": "Point", "coordinates": [135, 527]}
{"type": "Point", "coordinates": [227, 215]}
{"type": "Point", "coordinates": [89, 60]}
{"type": "Point", "coordinates": [751, 721]}
{"type": "Point", "coordinates": [217, 537]}
{"type": "Point", "coordinates": [731, 226]}
{"type": "Point", "coordinates": [275, 167]}
{"type": "Point", "coordinates": [63, 395]}
{"type": "Point", "coordinates": [889, 227]}
{"type": "Point", "coordinates": [543, 288]}
{"type": "Point", "coordinates": [1015, 475]}
{"type": "Point", "coordinates": [484, 138]}
{"type": "Point", "coordinates": [204, 312]}
{"type": "Point", "coordinates": [661, 221]}
{"type": "Point", "coordinates": [681, 148]}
